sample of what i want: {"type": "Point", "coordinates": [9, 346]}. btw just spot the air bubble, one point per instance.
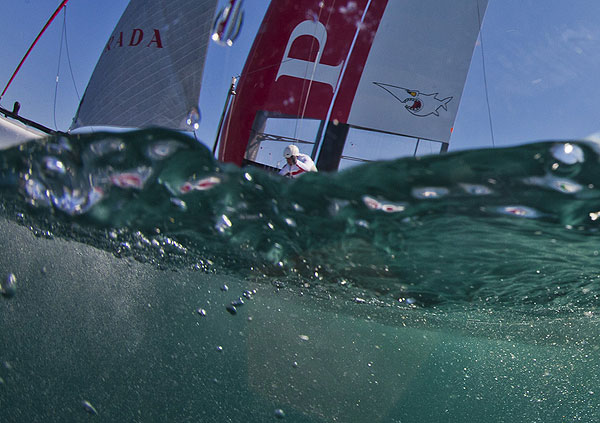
{"type": "Point", "coordinates": [430, 192]}
{"type": "Point", "coordinates": [9, 287]}
{"type": "Point", "coordinates": [87, 406]}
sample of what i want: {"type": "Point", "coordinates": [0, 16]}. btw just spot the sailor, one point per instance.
{"type": "Point", "coordinates": [297, 163]}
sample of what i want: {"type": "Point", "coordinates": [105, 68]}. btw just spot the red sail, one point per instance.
{"type": "Point", "coordinates": [306, 62]}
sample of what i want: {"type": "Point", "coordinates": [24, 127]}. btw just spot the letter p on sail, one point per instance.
{"type": "Point", "coordinates": [305, 69]}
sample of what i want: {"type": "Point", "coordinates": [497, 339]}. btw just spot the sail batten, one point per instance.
{"type": "Point", "coordinates": [150, 71]}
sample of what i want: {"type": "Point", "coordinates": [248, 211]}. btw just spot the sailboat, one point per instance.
{"type": "Point", "coordinates": [149, 73]}
{"type": "Point", "coordinates": [352, 81]}
{"type": "Point", "coordinates": [347, 82]}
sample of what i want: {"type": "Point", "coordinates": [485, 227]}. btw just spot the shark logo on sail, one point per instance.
{"type": "Point", "coordinates": [416, 102]}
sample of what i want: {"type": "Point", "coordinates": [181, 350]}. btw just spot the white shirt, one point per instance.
{"type": "Point", "coordinates": [303, 164]}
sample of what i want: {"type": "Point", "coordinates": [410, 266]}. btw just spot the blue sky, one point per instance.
{"type": "Point", "coordinates": [541, 60]}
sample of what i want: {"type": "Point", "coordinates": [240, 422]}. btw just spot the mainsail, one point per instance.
{"type": "Point", "coordinates": [392, 66]}
{"type": "Point", "coordinates": [150, 71]}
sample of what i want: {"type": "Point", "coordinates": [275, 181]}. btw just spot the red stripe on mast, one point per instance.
{"type": "Point", "coordinates": [58, 9]}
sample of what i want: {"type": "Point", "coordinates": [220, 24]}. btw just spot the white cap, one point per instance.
{"type": "Point", "coordinates": [290, 150]}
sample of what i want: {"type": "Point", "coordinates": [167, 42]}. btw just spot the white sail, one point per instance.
{"type": "Point", "coordinates": [150, 71]}
{"type": "Point", "coordinates": [414, 76]}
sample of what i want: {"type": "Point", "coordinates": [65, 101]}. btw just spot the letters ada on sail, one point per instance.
{"type": "Point", "coordinates": [322, 72]}
{"type": "Point", "coordinates": [150, 71]}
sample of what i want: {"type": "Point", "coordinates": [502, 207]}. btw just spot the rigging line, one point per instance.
{"type": "Point", "coordinates": [62, 4]}
{"type": "Point", "coordinates": [69, 60]}
{"type": "Point", "coordinates": [485, 84]}
{"type": "Point", "coordinates": [317, 148]}
{"type": "Point", "coordinates": [312, 76]}
{"type": "Point", "coordinates": [62, 35]}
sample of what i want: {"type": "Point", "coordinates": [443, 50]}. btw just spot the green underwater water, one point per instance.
{"type": "Point", "coordinates": [155, 284]}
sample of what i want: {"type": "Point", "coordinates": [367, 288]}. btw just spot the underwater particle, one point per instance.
{"type": "Point", "coordinates": [304, 337]}
{"type": "Point", "coordinates": [201, 312]}
{"type": "Point", "coordinates": [279, 413]}
{"type": "Point", "coordinates": [224, 288]}
{"type": "Point", "coordinates": [9, 288]}
{"type": "Point", "coordinates": [359, 300]}
{"type": "Point", "coordinates": [219, 348]}
{"type": "Point", "coordinates": [237, 303]}
{"type": "Point", "coordinates": [247, 295]}
{"type": "Point", "coordinates": [87, 406]}
{"type": "Point", "coordinates": [295, 364]}
{"type": "Point", "coordinates": [231, 309]}
{"type": "Point", "coordinates": [1, 381]}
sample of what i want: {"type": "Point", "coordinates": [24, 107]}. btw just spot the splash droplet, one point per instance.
{"type": "Point", "coordinates": [567, 153]}
{"type": "Point", "coordinates": [193, 119]}
{"type": "Point", "coordinates": [228, 23]}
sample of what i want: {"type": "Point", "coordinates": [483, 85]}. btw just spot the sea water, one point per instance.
{"type": "Point", "coordinates": [144, 281]}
